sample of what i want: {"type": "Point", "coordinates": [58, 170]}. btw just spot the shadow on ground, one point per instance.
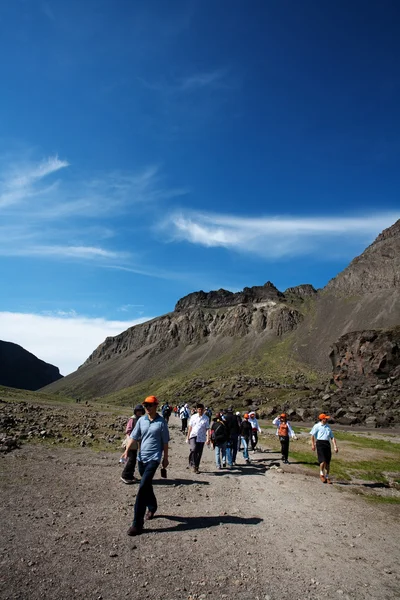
{"type": "Point", "coordinates": [193, 523]}
{"type": "Point", "coordinates": [178, 482]}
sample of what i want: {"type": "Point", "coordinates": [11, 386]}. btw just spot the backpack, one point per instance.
{"type": "Point", "coordinates": [219, 435]}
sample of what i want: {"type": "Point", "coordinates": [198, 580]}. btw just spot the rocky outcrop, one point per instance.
{"type": "Point", "coordinates": [222, 298]}
{"type": "Point", "coordinates": [366, 357]}
{"type": "Point", "coordinates": [301, 292]}
{"type": "Point", "coordinates": [21, 369]}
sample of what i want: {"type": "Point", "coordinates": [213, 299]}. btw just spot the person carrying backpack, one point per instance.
{"type": "Point", "coordinates": [284, 430]}
{"type": "Point", "coordinates": [166, 411]}
{"type": "Point", "coordinates": [184, 414]}
{"type": "Point", "coordinates": [219, 438]}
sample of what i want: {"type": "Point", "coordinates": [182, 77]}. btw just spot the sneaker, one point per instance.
{"type": "Point", "coordinates": [234, 464]}
{"type": "Point", "coordinates": [128, 481]}
{"type": "Point", "coordinates": [224, 464]}
{"type": "Point", "coordinates": [329, 480]}
{"type": "Point", "coordinates": [149, 515]}
{"type": "Point", "coordinates": [322, 478]}
{"type": "Point", "coordinates": [247, 461]}
{"type": "Point", "coordinates": [285, 462]}
{"type": "Point", "coordinates": [195, 470]}
{"type": "Point", "coordinates": [133, 530]}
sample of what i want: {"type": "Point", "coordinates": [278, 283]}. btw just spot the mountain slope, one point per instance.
{"type": "Point", "coordinates": [21, 369]}
{"type": "Point", "coordinates": [216, 331]}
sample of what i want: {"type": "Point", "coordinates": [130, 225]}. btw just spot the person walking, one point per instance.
{"type": "Point", "coordinates": [128, 473]}
{"type": "Point", "coordinates": [152, 433]}
{"type": "Point", "coordinates": [256, 429]}
{"type": "Point", "coordinates": [198, 435]}
{"type": "Point", "coordinates": [321, 436]}
{"type": "Point", "coordinates": [284, 431]}
{"type": "Point", "coordinates": [184, 414]}
{"type": "Point", "coordinates": [246, 431]}
{"type": "Point", "coordinates": [232, 426]}
{"type": "Point", "coordinates": [219, 438]}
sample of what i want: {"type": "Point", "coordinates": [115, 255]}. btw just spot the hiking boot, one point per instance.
{"type": "Point", "coordinates": [285, 462]}
{"type": "Point", "coordinates": [247, 461]}
{"type": "Point", "coordinates": [329, 480]}
{"type": "Point", "coordinates": [224, 464]}
{"type": "Point", "coordinates": [149, 515]}
{"type": "Point", "coordinates": [134, 530]}
{"type": "Point", "coordinates": [128, 481]}
{"type": "Point", "coordinates": [196, 470]}
{"type": "Point", "coordinates": [322, 478]}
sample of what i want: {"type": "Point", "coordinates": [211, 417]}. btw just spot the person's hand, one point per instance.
{"type": "Point", "coordinates": [313, 448]}
{"type": "Point", "coordinates": [295, 437]}
{"type": "Point", "coordinates": [336, 449]}
{"type": "Point", "coordinates": [165, 463]}
{"type": "Point", "coordinates": [207, 442]}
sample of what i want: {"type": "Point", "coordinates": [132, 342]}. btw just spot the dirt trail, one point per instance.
{"type": "Point", "coordinates": [247, 533]}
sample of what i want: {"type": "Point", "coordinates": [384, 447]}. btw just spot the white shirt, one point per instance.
{"type": "Point", "coordinates": [199, 425]}
{"type": "Point", "coordinates": [254, 424]}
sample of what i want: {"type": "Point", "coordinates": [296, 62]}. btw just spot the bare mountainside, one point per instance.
{"type": "Point", "coordinates": [219, 330]}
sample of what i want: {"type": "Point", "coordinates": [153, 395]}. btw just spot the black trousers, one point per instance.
{"type": "Point", "coordinates": [196, 451]}
{"type": "Point", "coordinates": [284, 440]}
{"type": "Point", "coordinates": [130, 465]}
{"type": "Point", "coordinates": [184, 425]}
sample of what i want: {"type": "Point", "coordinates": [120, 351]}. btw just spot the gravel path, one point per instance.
{"type": "Point", "coordinates": [250, 533]}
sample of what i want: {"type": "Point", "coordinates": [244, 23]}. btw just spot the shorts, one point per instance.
{"type": "Point", "coordinates": [324, 451]}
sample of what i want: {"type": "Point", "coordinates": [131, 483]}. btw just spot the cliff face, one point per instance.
{"type": "Point", "coordinates": [376, 269]}
{"type": "Point", "coordinates": [192, 327]}
{"type": "Point", "coordinates": [21, 369]}
{"type": "Point", "coordinates": [366, 357]}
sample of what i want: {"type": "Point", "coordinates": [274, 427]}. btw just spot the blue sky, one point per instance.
{"type": "Point", "coordinates": [151, 149]}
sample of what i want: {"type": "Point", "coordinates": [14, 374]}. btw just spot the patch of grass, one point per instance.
{"type": "Point", "coordinates": [381, 499]}
{"type": "Point", "coordinates": [367, 442]}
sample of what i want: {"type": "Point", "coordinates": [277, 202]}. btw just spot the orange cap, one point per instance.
{"type": "Point", "coordinates": [150, 400]}
{"type": "Point", "coordinates": [283, 416]}
{"type": "Point", "coordinates": [323, 416]}
{"type": "Point", "coordinates": [245, 416]}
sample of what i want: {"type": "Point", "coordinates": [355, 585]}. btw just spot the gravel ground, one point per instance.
{"type": "Point", "coordinates": [250, 533]}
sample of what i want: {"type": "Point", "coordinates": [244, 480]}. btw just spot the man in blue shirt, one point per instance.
{"type": "Point", "coordinates": [152, 433]}
{"type": "Point", "coordinates": [321, 436]}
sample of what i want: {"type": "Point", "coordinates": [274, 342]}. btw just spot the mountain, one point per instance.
{"type": "Point", "coordinates": [250, 340]}
{"type": "Point", "coordinates": [21, 369]}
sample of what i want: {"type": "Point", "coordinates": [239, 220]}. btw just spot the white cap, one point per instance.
{"type": "Point", "coordinates": [238, 414]}
{"type": "Point", "coordinates": [252, 412]}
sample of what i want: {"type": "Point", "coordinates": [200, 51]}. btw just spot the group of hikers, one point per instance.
{"type": "Point", "coordinates": [147, 438]}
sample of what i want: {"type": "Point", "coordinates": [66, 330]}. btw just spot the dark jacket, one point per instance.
{"type": "Point", "coordinates": [219, 433]}
{"type": "Point", "coordinates": [245, 430]}
{"type": "Point", "coordinates": [232, 424]}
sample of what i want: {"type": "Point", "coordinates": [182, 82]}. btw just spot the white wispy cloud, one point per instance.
{"type": "Point", "coordinates": [64, 339]}
{"type": "Point", "coordinates": [20, 182]}
{"type": "Point", "coordinates": [275, 237]}
{"type": "Point", "coordinates": [64, 213]}
{"type": "Point", "coordinates": [214, 79]}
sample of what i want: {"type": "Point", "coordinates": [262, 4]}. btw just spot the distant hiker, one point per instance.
{"type": "Point", "coordinates": [284, 431]}
{"type": "Point", "coordinates": [130, 462]}
{"type": "Point", "coordinates": [184, 415]}
{"type": "Point", "coordinates": [239, 420]}
{"type": "Point", "coordinates": [175, 409]}
{"type": "Point", "coordinates": [208, 412]}
{"type": "Point", "coordinates": [166, 411]}
{"type": "Point", "coordinates": [321, 436]}
{"type": "Point", "coordinates": [232, 426]}
{"type": "Point", "coordinates": [219, 438]}
{"type": "Point", "coordinates": [198, 435]}
{"type": "Point", "coordinates": [246, 431]}
{"type": "Point", "coordinates": [256, 429]}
